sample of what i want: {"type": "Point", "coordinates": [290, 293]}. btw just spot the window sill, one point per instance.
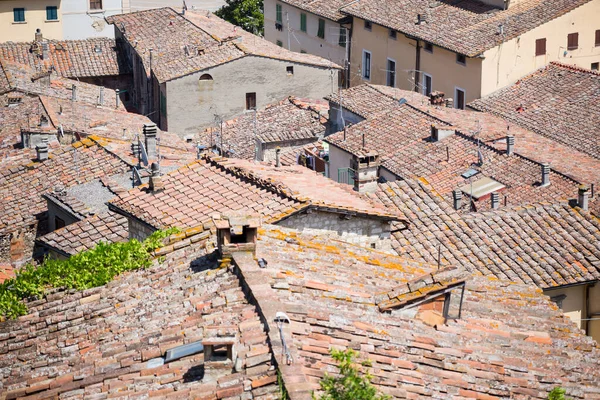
{"type": "Point", "coordinates": [19, 22]}
{"type": "Point", "coordinates": [95, 11]}
{"type": "Point", "coordinates": [571, 49]}
{"type": "Point", "coordinates": [52, 20]}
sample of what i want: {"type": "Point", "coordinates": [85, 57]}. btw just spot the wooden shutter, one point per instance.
{"type": "Point", "coordinates": [303, 22]}
{"type": "Point", "coordinates": [597, 41]}
{"type": "Point", "coordinates": [572, 41]}
{"type": "Point", "coordinates": [540, 47]}
{"type": "Point", "coordinates": [321, 32]}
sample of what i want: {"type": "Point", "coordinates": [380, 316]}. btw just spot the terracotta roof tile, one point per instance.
{"type": "Point", "coordinates": [329, 9]}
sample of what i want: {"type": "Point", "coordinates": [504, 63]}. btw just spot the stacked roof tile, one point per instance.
{"type": "Point", "coordinates": [329, 9]}
{"type": "Point", "coordinates": [557, 101]}
{"type": "Point", "coordinates": [69, 58]}
{"type": "Point", "coordinates": [468, 27]}
{"type": "Point", "coordinates": [185, 44]}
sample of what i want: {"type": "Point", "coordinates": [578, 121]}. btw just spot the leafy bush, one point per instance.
{"type": "Point", "coordinates": [247, 14]}
{"type": "Point", "coordinates": [350, 384]}
{"type": "Point", "coordinates": [85, 270]}
{"type": "Point", "coordinates": [557, 393]}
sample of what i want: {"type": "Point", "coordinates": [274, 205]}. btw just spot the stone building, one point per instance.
{"type": "Point", "coordinates": [196, 70]}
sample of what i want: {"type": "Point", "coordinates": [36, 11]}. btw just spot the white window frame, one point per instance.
{"type": "Point", "coordinates": [364, 58]}
{"type": "Point", "coordinates": [424, 86]}
{"type": "Point", "coordinates": [387, 72]}
{"type": "Point", "coordinates": [456, 89]}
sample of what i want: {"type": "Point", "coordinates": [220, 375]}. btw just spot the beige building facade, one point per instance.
{"type": "Point", "coordinates": [382, 56]}
{"type": "Point", "coordinates": [20, 18]}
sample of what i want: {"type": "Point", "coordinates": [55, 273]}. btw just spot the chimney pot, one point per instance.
{"type": "Point", "coordinates": [117, 99]}
{"type": "Point", "coordinates": [449, 103]}
{"type": "Point", "coordinates": [42, 151]}
{"type": "Point", "coordinates": [101, 97]}
{"type": "Point", "coordinates": [150, 139]}
{"type": "Point", "coordinates": [45, 51]}
{"type": "Point", "coordinates": [545, 174]}
{"type": "Point", "coordinates": [74, 93]}
{"type": "Point", "coordinates": [38, 35]}
{"type": "Point", "coordinates": [495, 199]}
{"type": "Point", "coordinates": [155, 183]}
{"type": "Point", "coordinates": [510, 145]}
{"type": "Point", "coordinates": [583, 197]}
{"type": "Point", "coordinates": [277, 161]}
{"type": "Point", "coordinates": [457, 195]}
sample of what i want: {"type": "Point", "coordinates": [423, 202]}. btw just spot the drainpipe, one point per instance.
{"type": "Point", "coordinates": [349, 54]}
{"type": "Point", "coordinates": [418, 66]}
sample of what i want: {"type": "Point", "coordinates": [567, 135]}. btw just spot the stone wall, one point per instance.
{"type": "Point", "coordinates": [365, 232]}
{"type": "Point", "coordinates": [16, 248]}
{"type": "Point", "coordinates": [138, 230]}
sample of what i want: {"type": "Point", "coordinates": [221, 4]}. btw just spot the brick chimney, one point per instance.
{"type": "Point", "coordinates": [495, 200]}
{"type": "Point", "coordinates": [457, 197]}
{"type": "Point", "coordinates": [42, 151]}
{"type": "Point", "coordinates": [150, 140]}
{"type": "Point", "coordinates": [583, 197]}
{"type": "Point", "coordinates": [510, 145]}
{"type": "Point", "coordinates": [545, 174]}
{"type": "Point", "coordinates": [436, 98]}
{"type": "Point", "coordinates": [438, 134]}
{"type": "Point", "coordinates": [366, 167]}
{"type": "Point", "coordinates": [155, 183]}
{"type": "Point", "coordinates": [236, 234]}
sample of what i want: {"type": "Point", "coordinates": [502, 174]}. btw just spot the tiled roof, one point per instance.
{"type": "Point", "coordinates": [22, 185]}
{"type": "Point", "coordinates": [510, 341]}
{"type": "Point", "coordinates": [558, 101]}
{"type": "Point", "coordinates": [106, 227]}
{"type": "Point", "coordinates": [548, 245]}
{"type": "Point", "coordinates": [6, 272]}
{"type": "Point", "coordinates": [401, 137]}
{"type": "Point", "coordinates": [468, 27]}
{"type": "Point", "coordinates": [107, 341]}
{"type": "Point", "coordinates": [70, 58]}
{"type": "Point", "coordinates": [25, 113]}
{"type": "Point", "coordinates": [366, 100]}
{"type": "Point", "coordinates": [329, 9]}
{"type": "Point", "coordinates": [185, 44]}
{"type": "Point", "coordinates": [288, 121]}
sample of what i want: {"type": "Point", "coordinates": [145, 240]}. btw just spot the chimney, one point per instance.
{"type": "Point", "coordinates": [366, 171]}
{"type": "Point", "coordinates": [101, 97]}
{"type": "Point", "coordinates": [150, 140]}
{"type": "Point", "coordinates": [42, 151]}
{"type": "Point", "coordinates": [545, 174]}
{"type": "Point", "coordinates": [117, 99]}
{"type": "Point", "coordinates": [495, 199]}
{"type": "Point", "coordinates": [236, 233]}
{"type": "Point", "coordinates": [74, 93]}
{"type": "Point", "coordinates": [436, 98]}
{"type": "Point", "coordinates": [439, 134]}
{"type": "Point", "coordinates": [277, 162]}
{"type": "Point", "coordinates": [345, 132]}
{"type": "Point", "coordinates": [457, 195]}
{"type": "Point", "coordinates": [510, 145]}
{"type": "Point", "coordinates": [38, 35]}
{"type": "Point", "coordinates": [155, 184]}
{"type": "Point", "coordinates": [449, 103]}
{"type": "Point", "coordinates": [45, 50]}
{"type": "Point", "coordinates": [582, 197]}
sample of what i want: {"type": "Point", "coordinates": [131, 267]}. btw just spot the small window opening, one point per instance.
{"type": "Point", "coordinates": [595, 66]}
{"type": "Point", "coordinates": [368, 25]}
{"type": "Point", "coordinates": [392, 34]}
{"type": "Point", "coordinates": [558, 300]}
{"type": "Point", "coordinates": [290, 70]}
{"type": "Point", "coordinates": [428, 47]}
{"type": "Point", "coordinates": [58, 223]}
{"type": "Point", "coordinates": [218, 352]}
{"type": "Point", "coordinates": [250, 101]}
{"type": "Point", "coordinates": [373, 245]}
{"type": "Point", "coordinates": [206, 77]}
{"type": "Point", "coordinates": [461, 59]}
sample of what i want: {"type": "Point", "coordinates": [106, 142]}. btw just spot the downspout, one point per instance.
{"type": "Point", "coordinates": [349, 55]}
{"type": "Point", "coordinates": [418, 66]}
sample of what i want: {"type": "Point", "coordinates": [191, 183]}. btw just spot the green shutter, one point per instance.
{"type": "Point", "coordinates": [321, 32]}
{"type": "Point", "coordinates": [19, 14]}
{"type": "Point", "coordinates": [278, 13]}
{"type": "Point", "coordinates": [51, 13]}
{"type": "Point", "coordinates": [303, 22]}
{"type": "Point", "coordinates": [342, 36]}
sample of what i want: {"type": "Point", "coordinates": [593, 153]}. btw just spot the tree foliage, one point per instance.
{"type": "Point", "coordinates": [247, 14]}
{"type": "Point", "coordinates": [85, 270]}
{"type": "Point", "coordinates": [557, 393]}
{"type": "Point", "coordinates": [351, 383]}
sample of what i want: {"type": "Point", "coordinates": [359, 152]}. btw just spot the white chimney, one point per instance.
{"type": "Point", "coordinates": [45, 50]}
{"type": "Point", "coordinates": [74, 93]}
{"type": "Point", "coordinates": [149, 131]}
{"type": "Point", "coordinates": [42, 151]}
{"type": "Point", "coordinates": [545, 174]}
{"type": "Point", "coordinates": [457, 195]}
{"type": "Point", "coordinates": [582, 197]}
{"type": "Point", "coordinates": [510, 145]}
{"type": "Point", "coordinates": [495, 199]}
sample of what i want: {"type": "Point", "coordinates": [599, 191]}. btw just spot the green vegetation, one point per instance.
{"type": "Point", "coordinates": [557, 393]}
{"type": "Point", "coordinates": [351, 383]}
{"type": "Point", "coordinates": [283, 394]}
{"type": "Point", "coordinates": [247, 14]}
{"type": "Point", "coordinates": [85, 270]}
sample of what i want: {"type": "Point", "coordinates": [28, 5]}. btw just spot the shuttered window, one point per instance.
{"type": "Point", "coordinates": [321, 32]}
{"type": "Point", "coordinates": [278, 13]}
{"type": "Point", "coordinates": [51, 13]}
{"type": "Point", "coordinates": [19, 14]}
{"type": "Point", "coordinates": [597, 41]}
{"type": "Point", "coordinates": [572, 41]}
{"type": "Point", "coordinates": [342, 36]}
{"type": "Point", "coordinates": [540, 47]}
{"type": "Point", "coordinates": [303, 22]}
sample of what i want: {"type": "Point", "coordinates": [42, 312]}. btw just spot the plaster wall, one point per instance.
{"type": "Point", "coordinates": [81, 22]}
{"type": "Point", "coordinates": [507, 63]}
{"type": "Point", "coordinates": [56, 211]}
{"type": "Point", "coordinates": [35, 18]}
{"type": "Point", "coordinates": [192, 104]}
{"type": "Point", "coordinates": [338, 159]}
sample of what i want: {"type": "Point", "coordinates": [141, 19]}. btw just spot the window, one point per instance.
{"type": "Point", "coordinates": [558, 300]}
{"type": "Point", "coordinates": [595, 66]}
{"type": "Point", "coordinates": [290, 70]}
{"type": "Point", "coordinates": [597, 41]}
{"type": "Point", "coordinates": [206, 77]}
{"type": "Point", "coordinates": [279, 43]}
{"type": "Point", "coordinates": [392, 34]}
{"type": "Point", "coordinates": [368, 25]}
{"type": "Point", "coordinates": [250, 101]}
{"type": "Point", "coordinates": [428, 47]}
{"type": "Point", "coordinates": [303, 22]}
{"type": "Point", "coordinates": [461, 59]}
{"type": "Point", "coordinates": [342, 36]}
{"type": "Point", "coordinates": [95, 4]}
{"type": "Point", "coordinates": [366, 65]}
{"type": "Point", "coordinates": [459, 98]}
{"type": "Point", "coordinates": [58, 223]}
{"type": "Point", "coordinates": [540, 47]}
{"type": "Point", "coordinates": [573, 41]}
{"type": "Point", "coordinates": [321, 32]}
{"type": "Point", "coordinates": [391, 73]}
{"type": "Point", "coordinates": [278, 14]}
{"type": "Point", "coordinates": [19, 14]}
{"type": "Point", "coordinates": [51, 13]}
{"type": "Point", "coordinates": [427, 84]}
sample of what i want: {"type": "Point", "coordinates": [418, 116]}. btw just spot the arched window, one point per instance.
{"type": "Point", "coordinates": [206, 77]}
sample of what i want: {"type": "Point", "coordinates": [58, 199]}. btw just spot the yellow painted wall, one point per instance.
{"type": "Point", "coordinates": [35, 17]}
{"type": "Point", "coordinates": [594, 312]}
{"type": "Point", "coordinates": [512, 60]}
